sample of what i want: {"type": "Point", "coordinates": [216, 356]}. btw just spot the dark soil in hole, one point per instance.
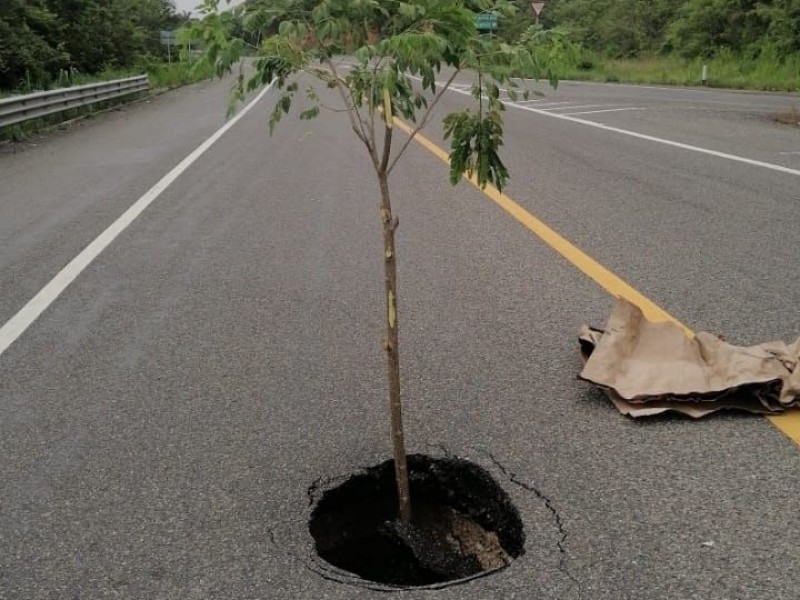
{"type": "Point", "coordinates": [463, 524]}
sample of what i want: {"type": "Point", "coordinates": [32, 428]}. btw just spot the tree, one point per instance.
{"type": "Point", "coordinates": [118, 33]}
{"type": "Point", "coordinates": [38, 38]}
{"type": "Point", "coordinates": [29, 47]}
{"type": "Point", "coordinates": [783, 17]}
{"type": "Point", "coordinates": [398, 49]}
{"type": "Point", "coordinates": [618, 28]}
{"type": "Point", "coordinates": [702, 27]}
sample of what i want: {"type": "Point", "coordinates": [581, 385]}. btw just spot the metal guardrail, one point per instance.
{"type": "Point", "coordinates": [17, 109]}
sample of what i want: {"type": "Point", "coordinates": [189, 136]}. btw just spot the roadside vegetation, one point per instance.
{"type": "Point", "coordinates": [724, 71]}
{"type": "Point", "coordinates": [42, 40]}
{"type": "Point", "coordinates": [162, 76]}
{"type": "Point", "coordinates": [751, 44]}
{"type": "Point", "coordinates": [49, 44]}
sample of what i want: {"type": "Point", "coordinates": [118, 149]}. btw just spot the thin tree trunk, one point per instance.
{"type": "Point", "coordinates": [392, 351]}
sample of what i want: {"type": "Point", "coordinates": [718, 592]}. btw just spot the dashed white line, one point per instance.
{"type": "Point", "coordinates": [652, 138]}
{"type": "Point", "coordinates": [637, 86]}
{"type": "Point", "coordinates": [17, 325]}
{"type": "Point", "coordinates": [607, 110]}
{"type": "Point", "coordinates": [575, 107]}
{"type": "Point", "coordinates": [548, 104]}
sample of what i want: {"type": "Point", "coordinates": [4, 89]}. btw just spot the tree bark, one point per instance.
{"type": "Point", "coordinates": [391, 347]}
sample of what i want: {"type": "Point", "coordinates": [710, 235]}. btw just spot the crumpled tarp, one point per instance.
{"type": "Point", "coordinates": [649, 368]}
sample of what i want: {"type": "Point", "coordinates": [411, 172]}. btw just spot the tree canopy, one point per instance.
{"type": "Point", "coordinates": [691, 28]}
{"type": "Point", "coordinates": [40, 37]}
{"type": "Point", "coordinates": [392, 43]}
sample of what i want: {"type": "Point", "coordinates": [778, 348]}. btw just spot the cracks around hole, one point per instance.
{"type": "Point", "coordinates": [562, 531]}
{"type": "Point", "coordinates": [443, 450]}
{"type": "Point", "coordinates": [318, 487]}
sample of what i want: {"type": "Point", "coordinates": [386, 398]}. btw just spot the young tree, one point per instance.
{"type": "Point", "coordinates": [399, 51]}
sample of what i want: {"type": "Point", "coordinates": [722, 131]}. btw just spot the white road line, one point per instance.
{"type": "Point", "coordinates": [545, 104]}
{"type": "Point", "coordinates": [652, 138]}
{"type": "Point", "coordinates": [591, 112]}
{"type": "Point", "coordinates": [639, 86]}
{"type": "Point", "coordinates": [575, 107]}
{"type": "Point", "coordinates": [16, 326]}
{"type": "Point", "coordinates": [788, 153]}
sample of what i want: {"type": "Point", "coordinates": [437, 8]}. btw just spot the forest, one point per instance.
{"type": "Point", "coordinates": [41, 39]}
{"type": "Point", "coordinates": [687, 28]}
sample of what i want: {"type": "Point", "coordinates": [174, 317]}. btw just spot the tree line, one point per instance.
{"type": "Point", "coordinates": [41, 38]}
{"type": "Point", "coordinates": [632, 28]}
{"type": "Point", "coordinates": [689, 28]}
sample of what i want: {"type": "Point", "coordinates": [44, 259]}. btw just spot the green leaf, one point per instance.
{"type": "Point", "coordinates": [309, 114]}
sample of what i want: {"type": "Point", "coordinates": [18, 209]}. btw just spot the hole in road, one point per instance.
{"type": "Point", "coordinates": [463, 524]}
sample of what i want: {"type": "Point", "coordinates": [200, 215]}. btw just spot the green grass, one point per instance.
{"type": "Point", "coordinates": [162, 76]}
{"type": "Point", "coordinates": [169, 76]}
{"type": "Point", "coordinates": [724, 70]}
{"type": "Point", "coordinates": [67, 78]}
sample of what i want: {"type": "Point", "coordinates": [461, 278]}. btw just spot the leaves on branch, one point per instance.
{"type": "Point", "coordinates": [399, 54]}
{"type": "Point", "coordinates": [475, 147]}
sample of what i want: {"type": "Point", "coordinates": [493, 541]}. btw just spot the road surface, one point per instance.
{"type": "Point", "coordinates": [162, 421]}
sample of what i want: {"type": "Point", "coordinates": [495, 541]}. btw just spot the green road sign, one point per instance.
{"type": "Point", "coordinates": [486, 21]}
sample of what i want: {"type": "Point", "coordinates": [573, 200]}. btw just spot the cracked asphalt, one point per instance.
{"type": "Point", "coordinates": [163, 423]}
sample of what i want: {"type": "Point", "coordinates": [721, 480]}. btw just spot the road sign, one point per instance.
{"type": "Point", "coordinates": [169, 38]}
{"type": "Point", "coordinates": [538, 7]}
{"type": "Point", "coordinates": [486, 21]}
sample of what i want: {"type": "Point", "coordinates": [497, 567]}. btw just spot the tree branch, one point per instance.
{"type": "Point", "coordinates": [425, 118]}
{"type": "Point", "coordinates": [347, 98]}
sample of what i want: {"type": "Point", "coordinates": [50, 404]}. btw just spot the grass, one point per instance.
{"type": "Point", "coordinates": [162, 76]}
{"type": "Point", "coordinates": [169, 76]}
{"type": "Point", "coordinates": [724, 71]}
{"type": "Point", "coordinates": [67, 78]}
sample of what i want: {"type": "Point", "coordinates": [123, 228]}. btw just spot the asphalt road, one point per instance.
{"type": "Point", "coordinates": [163, 420]}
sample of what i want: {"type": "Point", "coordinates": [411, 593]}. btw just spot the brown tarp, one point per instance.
{"type": "Point", "coordinates": [649, 368]}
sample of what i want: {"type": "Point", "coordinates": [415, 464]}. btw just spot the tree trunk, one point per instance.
{"type": "Point", "coordinates": [392, 351]}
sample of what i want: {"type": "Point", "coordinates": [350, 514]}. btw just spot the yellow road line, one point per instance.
{"type": "Point", "coordinates": [788, 423]}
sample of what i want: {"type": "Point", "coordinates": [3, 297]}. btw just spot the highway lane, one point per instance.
{"type": "Point", "coordinates": [704, 236]}
{"type": "Point", "coordinates": [739, 122]}
{"type": "Point", "coordinates": [59, 191]}
{"type": "Point", "coordinates": [163, 420]}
